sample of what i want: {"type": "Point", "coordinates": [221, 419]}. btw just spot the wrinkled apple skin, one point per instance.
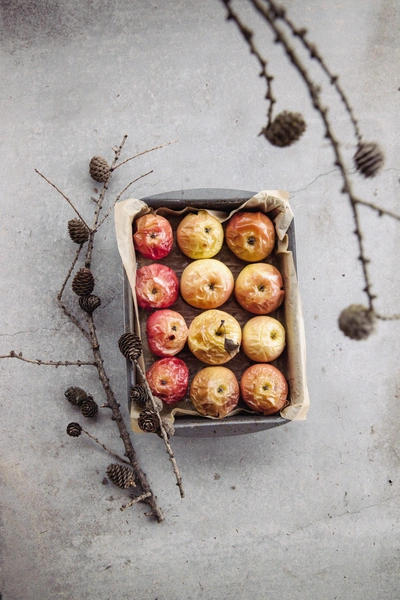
{"type": "Point", "coordinates": [168, 379]}
{"type": "Point", "coordinates": [206, 283]}
{"type": "Point", "coordinates": [157, 286]}
{"type": "Point", "coordinates": [153, 237]}
{"type": "Point", "coordinates": [263, 339]}
{"type": "Point", "coordinates": [207, 336]}
{"type": "Point", "coordinates": [166, 332]}
{"type": "Point", "coordinates": [264, 388]}
{"type": "Point", "coordinates": [214, 392]}
{"type": "Point", "coordinates": [258, 288]}
{"type": "Point", "coordinates": [200, 235]}
{"type": "Point", "coordinates": [250, 236]}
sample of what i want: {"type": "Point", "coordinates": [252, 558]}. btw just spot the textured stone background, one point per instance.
{"type": "Point", "coordinates": [308, 510]}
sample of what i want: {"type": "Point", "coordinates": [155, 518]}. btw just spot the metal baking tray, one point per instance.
{"type": "Point", "coordinates": [190, 426]}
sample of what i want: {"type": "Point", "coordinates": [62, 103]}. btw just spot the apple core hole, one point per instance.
{"type": "Point", "coordinates": [163, 382]}
{"type": "Point", "coordinates": [207, 229]}
{"type": "Point", "coordinates": [153, 235]}
{"type": "Point", "coordinates": [265, 386]}
{"type": "Point", "coordinates": [251, 240]}
{"type": "Point", "coordinates": [261, 287]}
{"type": "Point", "coordinates": [172, 337]}
{"type": "Point", "coordinates": [220, 390]}
{"type": "Point", "coordinates": [154, 291]}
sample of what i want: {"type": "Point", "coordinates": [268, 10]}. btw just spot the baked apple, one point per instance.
{"type": "Point", "coordinates": [263, 339]}
{"type": "Point", "coordinates": [168, 379]}
{"type": "Point", "coordinates": [259, 288]}
{"type": "Point", "coordinates": [166, 332]}
{"type": "Point", "coordinates": [214, 337]}
{"type": "Point", "coordinates": [200, 235]}
{"type": "Point", "coordinates": [153, 237]}
{"type": "Point", "coordinates": [264, 388]}
{"type": "Point", "coordinates": [214, 391]}
{"type": "Point", "coordinates": [157, 286]}
{"type": "Point", "coordinates": [206, 283]}
{"type": "Point", "coordinates": [250, 236]}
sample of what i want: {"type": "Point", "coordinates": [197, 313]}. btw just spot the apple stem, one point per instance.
{"type": "Point", "coordinates": [164, 434]}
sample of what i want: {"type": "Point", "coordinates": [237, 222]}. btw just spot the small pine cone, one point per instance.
{"type": "Point", "coordinates": [89, 407]}
{"type": "Point", "coordinates": [285, 129]}
{"type": "Point", "coordinates": [357, 322]}
{"type": "Point", "coordinates": [130, 345]}
{"type": "Point", "coordinates": [368, 159]}
{"type": "Point", "coordinates": [78, 232]}
{"type": "Point", "coordinates": [99, 169]}
{"type": "Point", "coordinates": [138, 394]}
{"type": "Point", "coordinates": [89, 303]}
{"type": "Point", "coordinates": [148, 421]}
{"type": "Point", "coordinates": [75, 395]}
{"type": "Point", "coordinates": [74, 429]}
{"type": "Point", "coordinates": [121, 476]}
{"type": "Point", "coordinates": [83, 282]}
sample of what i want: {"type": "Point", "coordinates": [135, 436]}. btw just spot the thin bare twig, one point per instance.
{"type": "Point", "coordinates": [163, 432]}
{"type": "Point", "coordinates": [49, 363]}
{"type": "Point", "coordinates": [118, 197]}
{"type": "Point", "coordinates": [60, 293]}
{"type": "Point", "coordinates": [135, 500]}
{"type": "Point", "coordinates": [248, 36]}
{"type": "Point", "coordinates": [64, 196]}
{"type": "Point", "coordinates": [301, 32]}
{"type": "Point", "coordinates": [314, 91]}
{"type": "Point", "coordinates": [381, 211]}
{"type": "Point", "coordinates": [74, 319]}
{"type": "Point", "coordinates": [141, 154]}
{"type": "Point", "coordinates": [105, 447]}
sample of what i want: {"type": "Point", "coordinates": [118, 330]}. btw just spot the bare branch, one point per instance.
{"type": "Point", "coordinates": [163, 432]}
{"type": "Point", "coordinates": [135, 500]}
{"type": "Point", "coordinates": [74, 320]}
{"type": "Point", "coordinates": [105, 447]}
{"type": "Point", "coordinates": [381, 211]}
{"type": "Point", "coordinates": [64, 196]}
{"type": "Point", "coordinates": [141, 154]}
{"type": "Point", "coordinates": [60, 293]}
{"type": "Point", "coordinates": [118, 197]}
{"type": "Point", "coordinates": [49, 363]}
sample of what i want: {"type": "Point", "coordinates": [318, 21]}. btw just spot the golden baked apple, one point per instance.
{"type": "Point", "coordinates": [250, 236]}
{"type": "Point", "coordinates": [214, 337]}
{"type": "Point", "coordinates": [259, 288]}
{"type": "Point", "coordinates": [264, 388]}
{"type": "Point", "coordinates": [263, 339]}
{"type": "Point", "coordinates": [200, 235]}
{"type": "Point", "coordinates": [206, 283]}
{"type": "Point", "coordinates": [214, 391]}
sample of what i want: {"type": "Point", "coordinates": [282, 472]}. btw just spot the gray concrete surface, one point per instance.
{"type": "Point", "coordinates": [306, 511]}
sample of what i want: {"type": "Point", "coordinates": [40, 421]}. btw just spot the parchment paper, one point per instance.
{"type": "Point", "coordinates": [276, 203]}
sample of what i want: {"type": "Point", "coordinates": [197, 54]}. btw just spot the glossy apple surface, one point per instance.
{"type": "Point", "coordinates": [259, 288]}
{"type": "Point", "coordinates": [264, 388]}
{"type": "Point", "coordinates": [166, 332]}
{"type": "Point", "coordinates": [214, 392]}
{"type": "Point", "coordinates": [214, 337]}
{"type": "Point", "coordinates": [206, 283]}
{"type": "Point", "coordinates": [153, 237]}
{"type": "Point", "coordinates": [157, 286]}
{"type": "Point", "coordinates": [168, 379]}
{"type": "Point", "coordinates": [200, 235]}
{"type": "Point", "coordinates": [250, 236]}
{"type": "Point", "coordinates": [263, 339]}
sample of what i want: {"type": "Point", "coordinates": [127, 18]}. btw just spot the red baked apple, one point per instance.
{"type": "Point", "coordinates": [153, 237]}
{"type": "Point", "coordinates": [166, 332]}
{"type": "Point", "coordinates": [264, 388]}
{"type": "Point", "coordinates": [263, 339]}
{"type": "Point", "coordinates": [206, 283]}
{"type": "Point", "coordinates": [250, 236]}
{"type": "Point", "coordinates": [200, 235]}
{"type": "Point", "coordinates": [168, 379]}
{"type": "Point", "coordinates": [259, 288]}
{"type": "Point", "coordinates": [214, 392]}
{"type": "Point", "coordinates": [157, 286]}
